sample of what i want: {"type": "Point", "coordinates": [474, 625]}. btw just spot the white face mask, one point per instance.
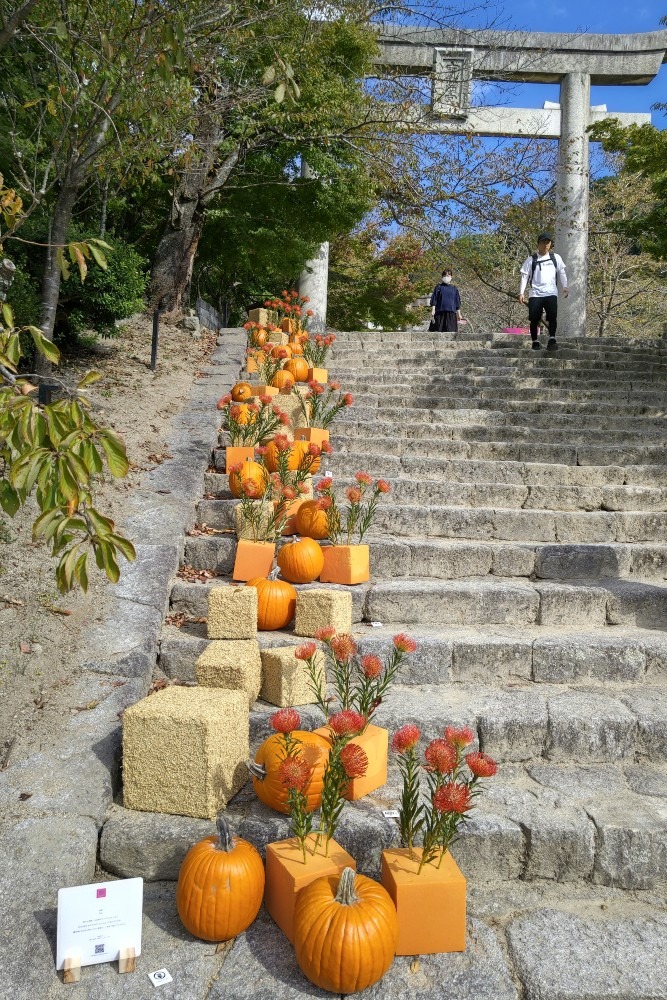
{"type": "Point", "coordinates": [447, 279]}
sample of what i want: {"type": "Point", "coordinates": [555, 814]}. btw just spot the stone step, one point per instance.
{"type": "Point", "coordinates": [483, 600]}
{"type": "Point", "coordinates": [506, 432]}
{"type": "Point", "coordinates": [421, 420]}
{"type": "Point", "coordinates": [545, 820]}
{"type": "Point", "coordinates": [508, 378]}
{"type": "Point", "coordinates": [486, 654]}
{"type": "Point", "coordinates": [440, 402]}
{"type": "Point", "coordinates": [425, 396]}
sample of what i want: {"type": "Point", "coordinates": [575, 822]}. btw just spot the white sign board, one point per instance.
{"type": "Point", "coordinates": [96, 921]}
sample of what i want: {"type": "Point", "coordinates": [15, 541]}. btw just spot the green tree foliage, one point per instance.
{"type": "Point", "coordinates": [375, 278]}
{"type": "Point", "coordinates": [108, 294]}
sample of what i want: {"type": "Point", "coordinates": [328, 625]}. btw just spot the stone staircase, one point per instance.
{"type": "Point", "coordinates": [524, 545]}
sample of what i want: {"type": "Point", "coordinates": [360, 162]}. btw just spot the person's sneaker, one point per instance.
{"type": "Point", "coordinates": [536, 346]}
{"type": "Point", "coordinates": [551, 344]}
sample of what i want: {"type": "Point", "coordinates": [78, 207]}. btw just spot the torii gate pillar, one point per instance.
{"type": "Point", "coordinates": [572, 185]}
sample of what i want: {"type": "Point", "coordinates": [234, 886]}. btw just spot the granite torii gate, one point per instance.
{"type": "Point", "coordinates": [452, 59]}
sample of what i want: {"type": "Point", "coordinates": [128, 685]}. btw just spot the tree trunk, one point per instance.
{"type": "Point", "coordinates": [175, 255]}
{"type": "Point", "coordinates": [51, 276]}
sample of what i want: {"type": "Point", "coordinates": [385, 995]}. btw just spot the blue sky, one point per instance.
{"type": "Point", "coordinates": [594, 16]}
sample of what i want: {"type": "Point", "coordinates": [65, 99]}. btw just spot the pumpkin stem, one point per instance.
{"type": "Point", "coordinates": [346, 894]}
{"type": "Point", "coordinates": [257, 770]}
{"type": "Point", "coordinates": [225, 841]}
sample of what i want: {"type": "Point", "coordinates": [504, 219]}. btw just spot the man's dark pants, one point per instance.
{"type": "Point", "coordinates": [537, 304]}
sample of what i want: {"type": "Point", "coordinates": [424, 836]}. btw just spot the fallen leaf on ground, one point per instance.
{"type": "Point", "coordinates": [24, 796]}
{"type": "Point", "coordinates": [25, 647]}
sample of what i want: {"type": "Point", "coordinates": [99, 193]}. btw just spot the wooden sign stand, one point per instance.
{"type": "Point", "coordinates": [72, 969]}
{"type": "Point", "coordinates": [127, 962]}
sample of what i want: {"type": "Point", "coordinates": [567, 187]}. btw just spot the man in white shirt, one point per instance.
{"type": "Point", "coordinates": [544, 270]}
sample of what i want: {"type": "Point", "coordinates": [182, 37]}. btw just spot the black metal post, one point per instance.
{"type": "Point", "coordinates": [44, 391]}
{"type": "Point", "coordinates": [156, 327]}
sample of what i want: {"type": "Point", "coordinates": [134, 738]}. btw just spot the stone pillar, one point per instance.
{"type": "Point", "coordinates": [572, 201]}
{"type": "Point", "coordinates": [314, 279]}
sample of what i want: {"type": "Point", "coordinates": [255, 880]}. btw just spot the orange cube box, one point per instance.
{"type": "Point", "coordinates": [253, 559]}
{"type": "Point", "coordinates": [431, 905]}
{"type": "Point", "coordinates": [347, 564]}
{"type": "Point", "coordinates": [375, 742]}
{"type": "Point", "coordinates": [233, 455]}
{"type": "Point", "coordinates": [288, 325]}
{"type": "Point", "coordinates": [287, 873]}
{"type": "Point", "coordinates": [251, 365]}
{"type": "Point", "coordinates": [314, 435]}
{"type": "Point", "coordinates": [265, 390]}
{"type": "Point", "coordinates": [318, 374]}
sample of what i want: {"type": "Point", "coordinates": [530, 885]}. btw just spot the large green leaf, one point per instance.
{"type": "Point", "coordinates": [9, 498]}
{"type": "Point", "coordinates": [114, 450]}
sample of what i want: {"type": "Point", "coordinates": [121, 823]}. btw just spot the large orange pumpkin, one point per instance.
{"type": "Point", "coordinates": [345, 932]}
{"type": "Point", "coordinates": [311, 521]}
{"type": "Point", "coordinates": [283, 379]}
{"type": "Point", "coordinates": [297, 451]}
{"type": "Point", "coordinates": [251, 472]}
{"type": "Point", "coordinates": [220, 886]}
{"type": "Point", "coordinates": [301, 561]}
{"type": "Point", "coordinates": [276, 602]}
{"type": "Point", "coordinates": [241, 391]}
{"type": "Point", "coordinates": [297, 367]}
{"type": "Point", "coordinates": [266, 779]}
{"type": "Point", "coordinates": [281, 351]}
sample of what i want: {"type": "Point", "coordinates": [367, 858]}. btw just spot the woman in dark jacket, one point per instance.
{"type": "Point", "coordinates": [446, 304]}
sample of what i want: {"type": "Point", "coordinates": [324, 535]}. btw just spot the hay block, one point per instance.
{"type": "Point", "coordinates": [285, 680]}
{"type": "Point", "coordinates": [291, 405]}
{"type": "Point", "coordinates": [232, 612]}
{"type": "Point", "coordinates": [244, 530]}
{"type": "Point", "coordinates": [233, 664]}
{"type": "Point", "coordinates": [317, 608]}
{"type": "Point", "coordinates": [184, 751]}
{"type": "Point", "coordinates": [260, 316]}
{"type": "Point", "coordinates": [277, 337]}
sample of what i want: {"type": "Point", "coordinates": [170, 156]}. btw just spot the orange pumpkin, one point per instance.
{"type": "Point", "coordinates": [245, 415]}
{"type": "Point", "coordinates": [259, 337]}
{"type": "Point", "coordinates": [251, 472]}
{"type": "Point", "coordinates": [297, 348]}
{"type": "Point", "coordinates": [283, 379]}
{"type": "Point", "coordinates": [241, 392]}
{"type": "Point", "coordinates": [297, 451]}
{"type": "Point", "coordinates": [297, 367]}
{"type": "Point", "coordinates": [281, 351]}
{"type": "Point", "coordinates": [301, 561]}
{"type": "Point", "coordinates": [356, 932]}
{"type": "Point", "coordinates": [220, 886]}
{"type": "Point", "coordinates": [311, 521]}
{"type": "Point", "coordinates": [265, 777]}
{"type": "Point", "coordinates": [276, 602]}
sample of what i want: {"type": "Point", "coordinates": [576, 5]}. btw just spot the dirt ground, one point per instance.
{"type": "Point", "coordinates": [41, 629]}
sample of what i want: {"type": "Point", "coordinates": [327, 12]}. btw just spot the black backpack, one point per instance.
{"type": "Point", "coordinates": [552, 256]}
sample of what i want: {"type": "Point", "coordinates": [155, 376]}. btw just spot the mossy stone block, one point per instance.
{"type": "Point", "coordinates": [184, 751]}
{"type": "Point", "coordinates": [233, 664]}
{"type": "Point", "coordinates": [318, 608]}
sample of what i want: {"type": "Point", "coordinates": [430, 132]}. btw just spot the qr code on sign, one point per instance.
{"type": "Point", "coordinates": [99, 949]}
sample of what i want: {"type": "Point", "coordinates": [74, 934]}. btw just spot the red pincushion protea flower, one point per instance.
{"type": "Point", "coordinates": [348, 399]}
{"type": "Point", "coordinates": [283, 418]}
{"type": "Point", "coordinates": [325, 633]}
{"type": "Point", "coordinates": [317, 389]}
{"type": "Point", "coordinates": [289, 493]}
{"type": "Point", "coordinates": [326, 448]}
{"type": "Point", "coordinates": [310, 312]}
{"type": "Point", "coordinates": [235, 468]}
{"type": "Point", "coordinates": [265, 399]}
{"type": "Point", "coordinates": [459, 737]}
{"type": "Point", "coordinates": [323, 503]}
{"type": "Point", "coordinates": [314, 449]}
{"type": "Point", "coordinates": [347, 723]}
{"type": "Point", "coordinates": [294, 773]}
{"type": "Point", "coordinates": [251, 489]}
{"type": "Point", "coordinates": [440, 756]}
{"type": "Point", "coordinates": [261, 450]}
{"type": "Point", "coordinates": [334, 386]}
{"type": "Point", "coordinates": [371, 666]}
{"type": "Point", "coordinates": [382, 486]}
{"type": "Point", "coordinates": [363, 477]}
{"type": "Point", "coordinates": [224, 401]}
{"type": "Point", "coordinates": [404, 643]}
{"type": "Point", "coordinates": [355, 760]}
{"type": "Point", "coordinates": [235, 412]}
{"type": "Point", "coordinates": [286, 720]}
{"type": "Point", "coordinates": [481, 765]}
{"type": "Point", "coordinates": [405, 738]}
{"type": "Point", "coordinates": [306, 651]}
{"type": "Point", "coordinates": [343, 648]}
{"type": "Point", "coordinates": [353, 494]}
{"type": "Point", "coordinates": [453, 797]}
{"type": "Point", "coordinates": [281, 442]}
{"type": "Point", "coordinates": [324, 484]}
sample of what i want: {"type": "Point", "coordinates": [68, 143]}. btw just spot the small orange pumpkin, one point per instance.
{"type": "Point", "coordinates": [297, 367]}
{"type": "Point", "coordinates": [301, 560]}
{"type": "Point", "coordinates": [220, 886]}
{"type": "Point", "coordinates": [259, 337]}
{"type": "Point", "coordinates": [281, 351]}
{"type": "Point", "coordinates": [311, 521]}
{"type": "Point", "coordinates": [297, 348]}
{"type": "Point", "coordinates": [245, 415]}
{"type": "Point", "coordinates": [297, 451]}
{"type": "Point", "coordinates": [241, 392]}
{"type": "Point", "coordinates": [357, 932]}
{"type": "Point", "coordinates": [283, 379]}
{"type": "Point", "coordinates": [276, 602]}
{"type": "Point", "coordinates": [269, 789]}
{"type": "Point", "coordinates": [251, 472]}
